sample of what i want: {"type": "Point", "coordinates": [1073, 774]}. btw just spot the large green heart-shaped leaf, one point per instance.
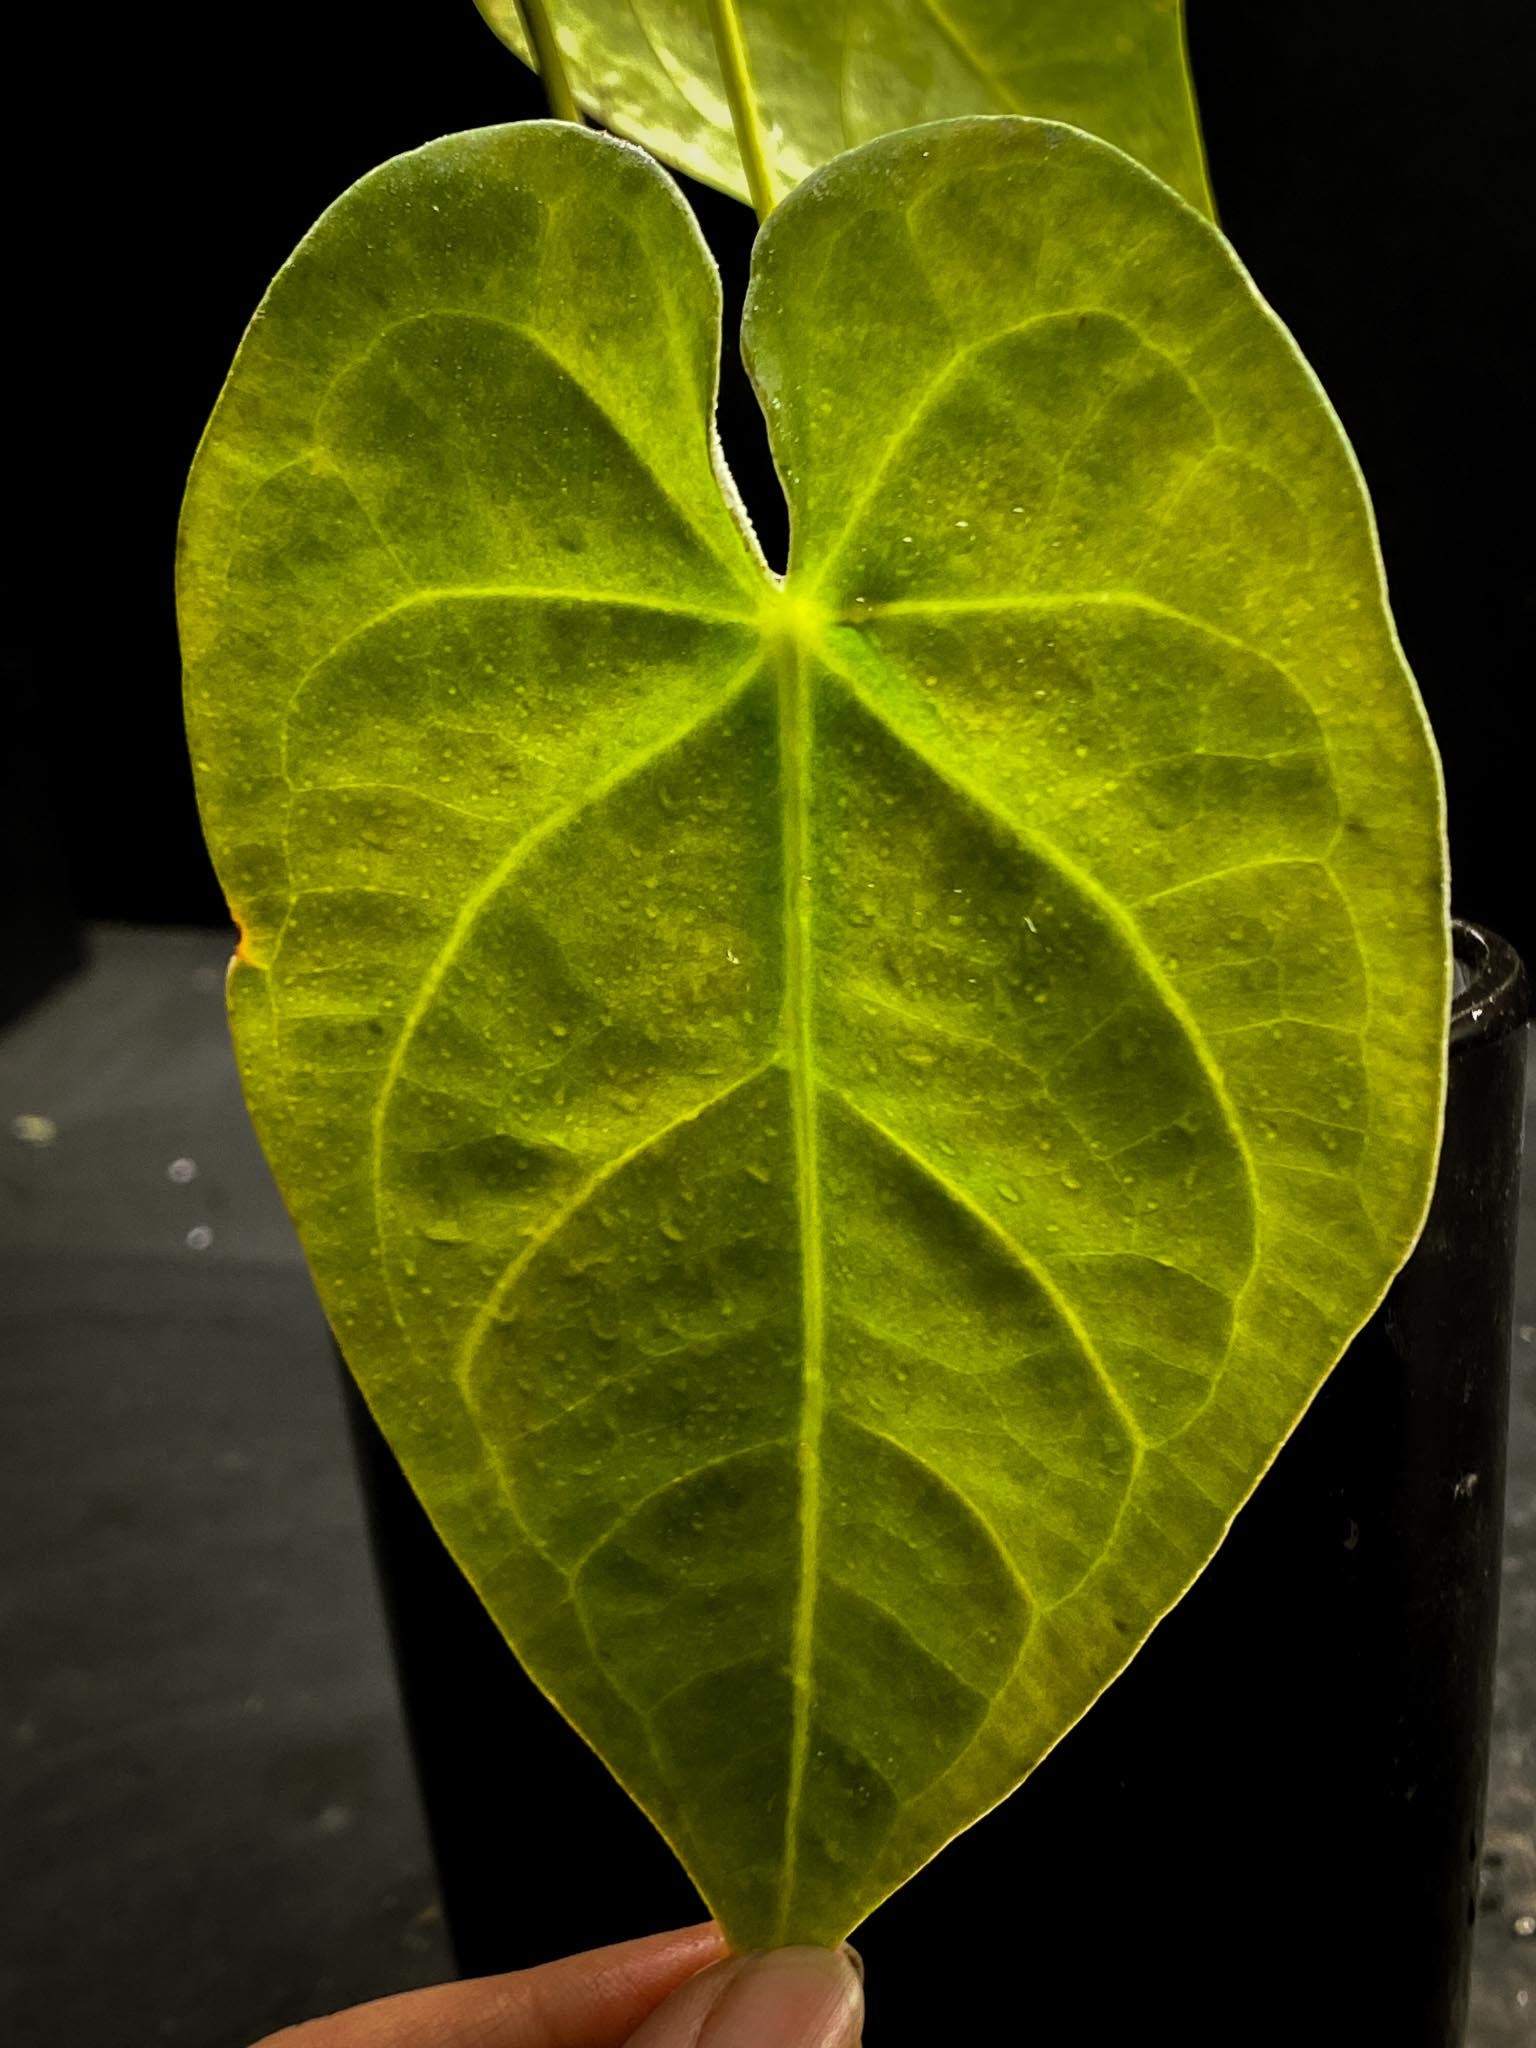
{"type": "Point", "coordinates": [839, 1123]}
{"type": "Point", "coordinates": [822, 79]}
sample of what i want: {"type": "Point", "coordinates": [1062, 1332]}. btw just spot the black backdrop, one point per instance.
{"type": "Point", "coordinates": [1368, 165]}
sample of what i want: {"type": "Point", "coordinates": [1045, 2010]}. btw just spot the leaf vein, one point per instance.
{"type": "Point", "coordinates": [1033, 1267]}
{"type": "Point", "coordinates": [1109, 907]}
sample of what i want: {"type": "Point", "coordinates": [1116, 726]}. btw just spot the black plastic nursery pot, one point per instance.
{"type": "Point", "coordinates": [1267, 1830]}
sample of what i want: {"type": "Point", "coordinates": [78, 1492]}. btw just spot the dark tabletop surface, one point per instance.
{"type": "Point", "coordinates": [209, 1823]}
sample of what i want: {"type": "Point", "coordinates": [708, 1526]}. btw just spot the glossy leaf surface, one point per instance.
{"type": "Point", "coordinates": [824, 78]}
{"type": "Point", "coordinates": [838, 1123]}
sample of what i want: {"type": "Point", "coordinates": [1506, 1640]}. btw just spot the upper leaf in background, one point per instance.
{"type": "Point", "coordinates": [826, 77]}
{"type": "Point", "coordinates": [838, 1124]}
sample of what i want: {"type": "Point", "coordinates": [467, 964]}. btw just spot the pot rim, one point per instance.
{"type": "Point", "coordinates": [1492, 996]}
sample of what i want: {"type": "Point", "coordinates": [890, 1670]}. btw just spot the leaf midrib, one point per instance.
{"type": "Point", "coordinates": [795, 634]}
{"type": "Point", "coordinates": [795, 751]}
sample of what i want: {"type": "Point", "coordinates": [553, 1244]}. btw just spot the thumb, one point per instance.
{"type": "Point", "coordinates": [788, 1998]}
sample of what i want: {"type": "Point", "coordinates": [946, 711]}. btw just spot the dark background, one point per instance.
{"type": "Point", "coordinates": [1369, 164]}
{"type": "Point", "coordinates": [209, 1799]}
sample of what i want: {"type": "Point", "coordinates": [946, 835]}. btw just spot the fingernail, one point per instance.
{"type": "Point", "coordinates": [855, 1959]}
{"type": "Point", "coordinates": [810, 1997]}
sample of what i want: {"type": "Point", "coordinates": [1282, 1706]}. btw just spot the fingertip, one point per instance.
{"type": "Point", "coordinates": [783, 1998]}
{"type": "Point", "coordinates": [791, 1997]}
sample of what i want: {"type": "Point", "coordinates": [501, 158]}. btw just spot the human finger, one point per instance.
{"type": "Point", "coordinates": [594, 2000]}
{"type": "Point", "coordinates": [786, 1998]}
